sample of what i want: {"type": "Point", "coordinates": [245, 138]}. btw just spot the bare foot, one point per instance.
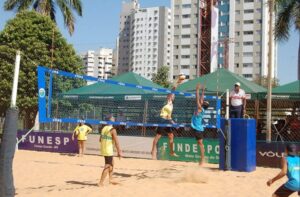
{"type": "Point", "coordinates": [100, 184]}
{"type": "Point", "coordinates": [174, 154]}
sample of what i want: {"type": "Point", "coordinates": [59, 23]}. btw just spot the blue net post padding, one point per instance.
{"type": "Point", "coordinates": [56, 106]}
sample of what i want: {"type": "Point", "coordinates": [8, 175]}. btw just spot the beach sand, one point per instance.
{"type": "Point", "coordinates": [62, 175]}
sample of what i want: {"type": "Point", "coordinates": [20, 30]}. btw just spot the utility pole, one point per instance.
{"type": "Point", "coordinates": [270, 72]}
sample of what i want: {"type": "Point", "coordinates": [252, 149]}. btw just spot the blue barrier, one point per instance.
{"type": "Point", "coordinates": [238, 148]}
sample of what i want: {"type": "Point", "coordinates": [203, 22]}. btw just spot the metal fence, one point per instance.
{"type": "Point", "coordinates": [285, 123]}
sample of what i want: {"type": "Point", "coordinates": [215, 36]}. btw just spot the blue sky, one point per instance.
{"type": "Point", "coordinates": [100, 22]}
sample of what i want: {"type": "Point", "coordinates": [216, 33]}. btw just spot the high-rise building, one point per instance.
{"type": "Point", "coordinates": [242, 39]}
{"type": "Point", "coordinates": [245, 24]}
{"type": "Point", "coordinates": [185, 37]}
{"type": "Point", "coordinates": [124, 35]}
{"type": "Point", "coordinates": [98, 64]}
{"type": "Point", "coordinates": [149, 39]}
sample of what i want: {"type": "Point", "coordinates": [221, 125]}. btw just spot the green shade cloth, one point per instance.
{"type": "Point", "coordinates": [111, 89]}
{"type": "Point", "coordinates": [221, 80]}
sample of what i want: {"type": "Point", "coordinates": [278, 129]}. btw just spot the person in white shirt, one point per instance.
{"type": "Point", "coordinates": [237, 102]}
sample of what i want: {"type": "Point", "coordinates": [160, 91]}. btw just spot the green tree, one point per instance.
{"type": "Point", "coordinates": [48, 8]}
{"type": "Point", "coordinates": [31, 33]}
{"type": "Point", "coordinates": [288, 15]}
{"type": "Point", "coordinates": [263, 81]}
{"type": "Point", "coordinates": [162, 76]}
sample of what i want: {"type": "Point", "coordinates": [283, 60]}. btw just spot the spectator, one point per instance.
{"type": "Point", "coordinates": [237, 102]}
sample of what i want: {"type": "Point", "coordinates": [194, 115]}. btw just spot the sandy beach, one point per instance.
{"type": "Point", "coordinates": [53, 174]}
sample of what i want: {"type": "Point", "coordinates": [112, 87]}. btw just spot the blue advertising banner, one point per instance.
{"type": "Point", "coordinates": [49, 142]}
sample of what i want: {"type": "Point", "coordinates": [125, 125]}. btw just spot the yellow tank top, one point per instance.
{"type": "Point", "coordinates": [82, 131]}
{"type": "Point", "coordinates": [106, 141]}
{"type": "Point", "coordinates": [166, 111]}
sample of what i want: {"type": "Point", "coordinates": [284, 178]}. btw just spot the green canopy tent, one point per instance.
{"type": "Point", "coordinates": [287, 91]}
{"type": "Point", "coordinates": [102, 98]}
{"type": "Point", "coordinates": [103, 89]}
{"type": "Point", "coordinates": [219, 81]}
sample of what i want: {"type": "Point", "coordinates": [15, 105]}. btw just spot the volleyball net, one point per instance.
{"type": "Point", "coordinates": [72, 98]}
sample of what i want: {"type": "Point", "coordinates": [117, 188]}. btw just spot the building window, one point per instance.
{"type": "Point", "coordinates": [237, 12]}
{"type": "Point", "coordinates": [258, 10]}
{"type": "Point", "coordinates": [185, 36]}
{"type": "Point", "coordinates": [248, 43]}
{"type": "Point", "coordinates": [248, 22]}
{"type": "Point", "coordinates": [176, 56]}
{"type": "Point", "coordinates": [247, 75]}
{"type": "Point", "coordinates": [177, 6]}
{"type": "Point", "coordinates": [186, 5]}
{"type": "Point", "coordinates": [185, 56]}
{"type": "Point", "coordinates": [176, 16]}
{"type": "Point", "coordinates": [259, 21]}
{"type": "Point", "coordinates": [248, 1]}
{"type": "Point", "coordinates": [248, 54]}
{"type": "Point", "coordinates": [248, 32]}
{"type": "Point", "coordinates": [185, 26]}
{"type": "Point", "coordinates": [237, 44]}
{"type": "Point", "coordinates": [236, 54]}
{"type": "Point", "coordinates": [247, 65]}
{"type": "Point", "coordinates": [248, 11]}
{"type": "Point", "coordinates": [186, 16]}
{"type": "Point", "coordinates": [185, 66]}
{"type": "Point", "coordinates": [185, 46]}
{"type": "Point", "coordinates": [237, 65]}
{"type": "Point", "coordinates": [176, 26]}
{"type": "Point", "coordinates": [237, 22]}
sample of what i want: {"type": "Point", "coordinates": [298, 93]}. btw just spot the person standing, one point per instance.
{"type": "Point", "coordinates": [237, 102]}
{"type": "Point", "coordinates": [107, 140]}
{"type": "Point", "coordinates": [81, 132]}
{"type": "Point", "coordinates": [196, 122]}
{"type": "Point", "coordinates": [290, 166]}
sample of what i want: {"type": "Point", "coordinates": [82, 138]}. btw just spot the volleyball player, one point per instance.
{"type": "Point", "coordinates": [290, 167]}
{"type": "Point", "coordinates": [107, 139]}
{"type": "Point", "coordinates": [166, 118]}
{"type": "Point", "coordinates": [81, 132]}
{"type": "Point", "coordinates": [196, 122]}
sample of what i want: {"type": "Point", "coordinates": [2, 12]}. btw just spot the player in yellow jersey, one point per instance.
{"type": "Point", "coordinates": [81, 132]}
{"type": "Point", "coordinates": [166, 118]}
{"type": "Point", "coordinates": [107, 140]}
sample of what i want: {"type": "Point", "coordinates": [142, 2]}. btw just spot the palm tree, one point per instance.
{"type": "Point", "coordinates": [48, 8]}
{"type": "Point", "coordinates": [288, 14]}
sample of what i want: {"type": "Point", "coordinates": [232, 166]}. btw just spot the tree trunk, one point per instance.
{"type": "Point", "coordinates": [29, 118]}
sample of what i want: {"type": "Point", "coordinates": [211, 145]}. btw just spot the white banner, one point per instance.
{"type": "Point", "coordinates": [214, 38]}
{"type": "Point", "coordinates": [131, 146]}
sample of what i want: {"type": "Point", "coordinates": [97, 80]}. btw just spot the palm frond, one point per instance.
{"type": "Point", "coordinates": [282, 25]}
{"type": "Point", "coordinates": [296, 15]}
{"type": "Point", "coordinates": [69, 19]}
{"type": "Point", "coordinates": [25, 4]}
{"type": "Point", "coordinates": [75, 5]}
{"type": "Point", "coordinates": [11, 4]}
